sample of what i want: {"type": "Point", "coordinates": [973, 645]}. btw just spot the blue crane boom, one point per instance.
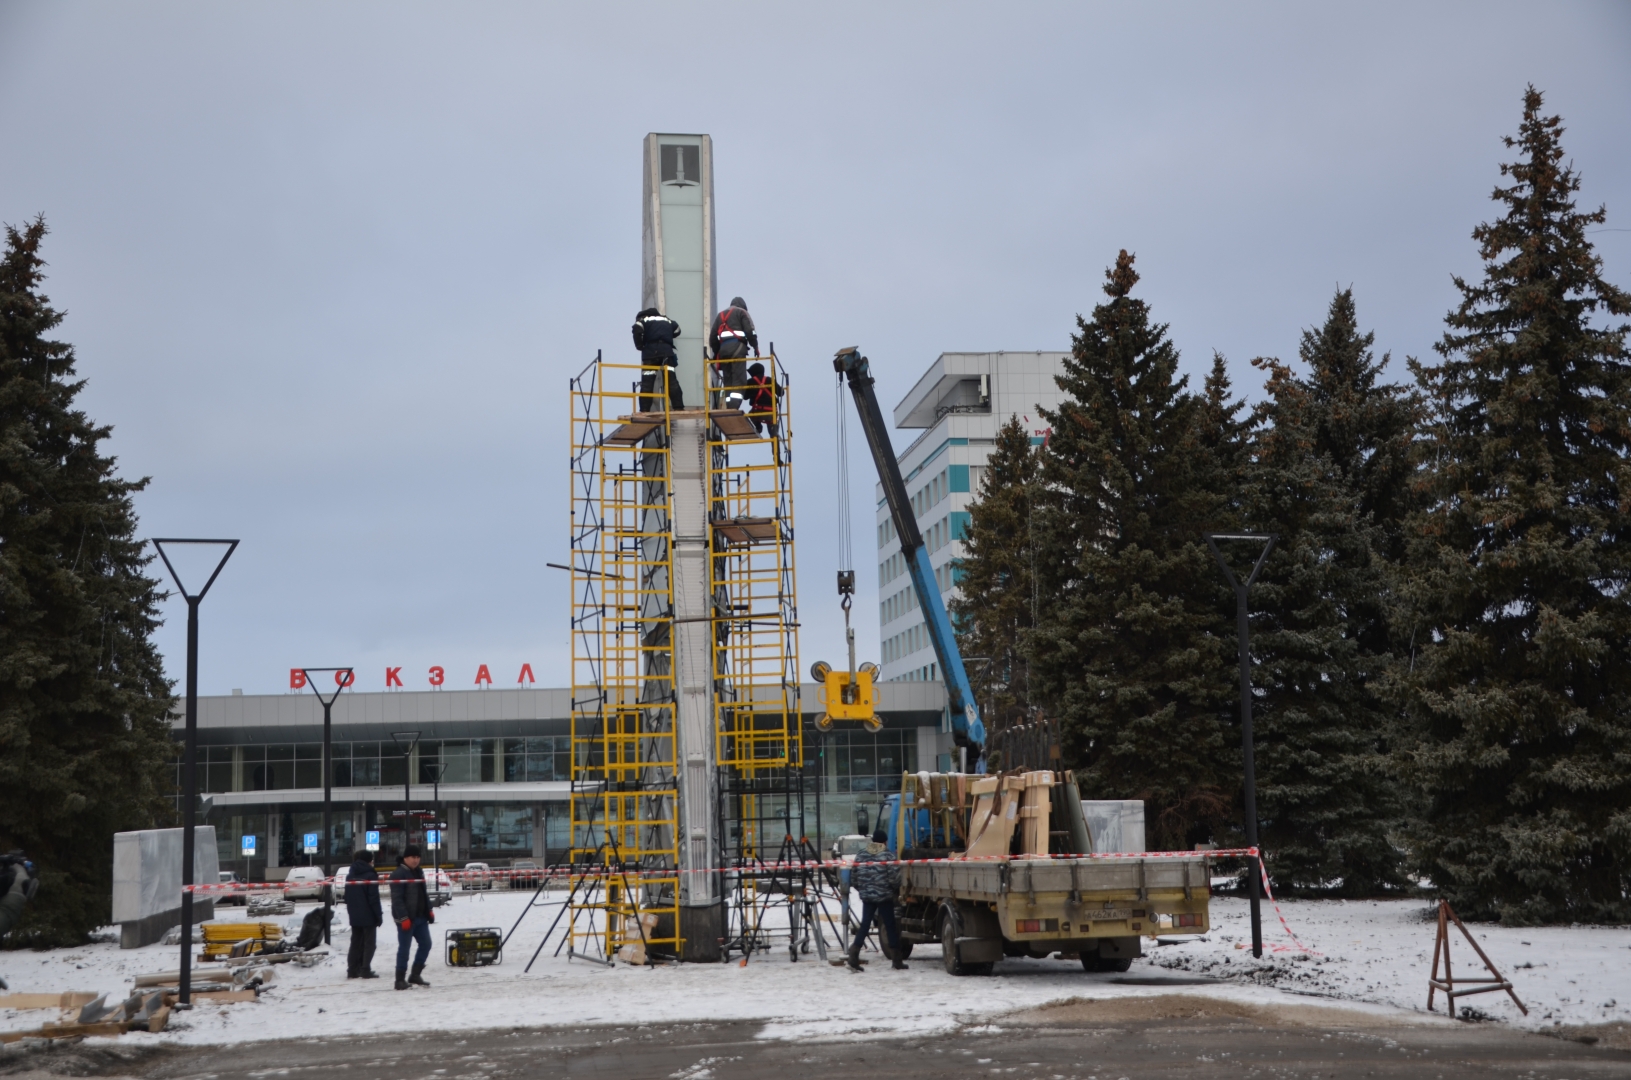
{"type": "Point", "coordinates": [966, 728]}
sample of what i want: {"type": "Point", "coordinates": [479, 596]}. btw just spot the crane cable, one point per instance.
{"type": "Point", "coordinates": [846, 552]}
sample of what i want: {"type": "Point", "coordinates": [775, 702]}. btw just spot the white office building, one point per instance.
{"type": "Point", "coordinates": [958, 405]}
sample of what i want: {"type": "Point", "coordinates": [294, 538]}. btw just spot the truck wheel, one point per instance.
{"type": "Point", "coordinates": [889, 954]}
{"type": "Point", "coordinates": [948, 946]}
{"type": "Point", "coordinates": [950, 930]}
{"type": "Point", "coordinates": [1095, 962]}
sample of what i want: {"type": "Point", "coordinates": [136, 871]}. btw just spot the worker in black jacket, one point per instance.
{"type": "Point", "coordinates": [654, 335]}
{"type": "Point", "coordinates": [366, 914]}
{"type": "Point", "coordinates": [410, 910]}
{"type": "Point", "coordinates": [730, 339]}
{"type": "Point", "coordinates": [761, 394]}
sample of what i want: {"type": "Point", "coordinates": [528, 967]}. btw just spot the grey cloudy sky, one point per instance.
{"type": "Point", "coordinates": [329, 266]}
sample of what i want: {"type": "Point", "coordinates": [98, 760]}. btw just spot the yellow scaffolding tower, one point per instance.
{"type": "Point", "coordinates": [624, 798]}
{"type": "Point", "coordinates": [759, 738]}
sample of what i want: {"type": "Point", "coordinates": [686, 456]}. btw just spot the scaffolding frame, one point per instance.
{"type": "Point", "coordinates": [624, 791]}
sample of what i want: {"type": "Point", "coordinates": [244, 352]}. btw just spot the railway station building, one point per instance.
{"type": "Point", "coordinates": [493, 765]}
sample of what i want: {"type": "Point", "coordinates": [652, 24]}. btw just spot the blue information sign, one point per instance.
{"type": "Point", "coordinates": [249, 847]}
{"type": "Point", "coordinates": [372, 840]}
{"type": "Point", "coordinates": [433, 838]}
{"type": "Point", "coordinates": [311, 843]}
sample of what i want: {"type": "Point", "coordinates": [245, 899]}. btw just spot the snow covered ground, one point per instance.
{"type": "Point", "coordinates": [1382, 952]}
{"type": "Point", "coordinates": [1374, 953]}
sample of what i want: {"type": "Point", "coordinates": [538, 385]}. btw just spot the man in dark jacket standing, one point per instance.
{"type": "Point", "coordinates": [730, 339]}
{"type": "Point", "coordinates": [876, 876]}
{"type": "Point", "coordinates": [410, 910]}
{"type": "Point", "coordinates": [365, 913]}
{"type": "Point", "coordinates": [654, 336]}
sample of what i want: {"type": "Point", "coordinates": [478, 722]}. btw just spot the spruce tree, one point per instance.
{"type": "Point", "coordinates": [1520, 690]}
{"type": "Point", "coordinates": [84, 734]}
{"type": "Point", "coordinates": [1135, 651]}
{"type": "Point", "coordinates": [996, 602]}
{"type": "Point", "coordinates": [1330, 453]}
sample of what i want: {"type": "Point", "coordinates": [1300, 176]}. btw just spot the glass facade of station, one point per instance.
{"type": "Point", "coordinates": [503, 791]}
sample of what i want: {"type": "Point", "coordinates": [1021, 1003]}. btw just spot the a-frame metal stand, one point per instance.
{"type": "Point", "coordinates": [1479, 985]}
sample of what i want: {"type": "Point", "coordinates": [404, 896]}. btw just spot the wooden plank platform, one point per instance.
{"type": "Point", "coordinates": [745, 531]}
{"type": "Point", "coordinates": [733, 424]}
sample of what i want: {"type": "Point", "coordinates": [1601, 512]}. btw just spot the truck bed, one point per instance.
{"type": "Point", "coordinates": [1094, 907]}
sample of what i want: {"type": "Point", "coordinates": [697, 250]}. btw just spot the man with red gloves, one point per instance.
{"type": "Point", "coordinates": [410, 910]}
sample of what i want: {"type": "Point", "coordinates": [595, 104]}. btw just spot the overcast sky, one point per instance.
{"type": "Point", "coordinates": [328, 267]}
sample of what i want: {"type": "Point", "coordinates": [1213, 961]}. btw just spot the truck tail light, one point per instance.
{"type": "Point", "coordinates": [1036, 926]}
{"type": "Point", "coordinates": [1186, 919]}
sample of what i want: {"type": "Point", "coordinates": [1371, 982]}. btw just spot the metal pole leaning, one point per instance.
{"type": "Point", "coordinates": [189, 760]}
{"type": "Point", "coordinates": [1243, 632]}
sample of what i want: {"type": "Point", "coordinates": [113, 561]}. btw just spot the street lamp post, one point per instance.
{"type": "Point", "coordinates": [436, 769]}
{"type": "Point", "coordinates": [405, 742]}
{"type": "Point", "coordinates": [1243, 633]}
{"type": "Point", "coordinates": [189, 760]}
{"type": "Point", "coordinates": [343, 677]}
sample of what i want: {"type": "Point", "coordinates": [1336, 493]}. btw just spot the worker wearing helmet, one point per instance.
{"type": "Point", "coordinates": [730, 339]}
{"type": "Point", "coordinates": [654, 335]}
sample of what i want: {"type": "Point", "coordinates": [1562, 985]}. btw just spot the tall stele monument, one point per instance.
{"type": "Point", "coordinates": [678, 280]}
{"type": "Point", "coordinates": [678, 275]}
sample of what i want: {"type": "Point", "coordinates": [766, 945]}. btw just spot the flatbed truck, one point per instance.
{"type": "Point", "coordinates": [965, 887]}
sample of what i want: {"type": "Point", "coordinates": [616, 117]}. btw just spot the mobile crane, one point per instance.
{"type": "Point", "coordinates": [966, 728]}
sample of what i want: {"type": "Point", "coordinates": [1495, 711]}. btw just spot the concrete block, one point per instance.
{"type": "Point", "coordinates": [147, 881]}
{"type": "Point", "coordinates": [1117, 825]}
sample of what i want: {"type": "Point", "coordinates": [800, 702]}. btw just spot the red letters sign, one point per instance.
{"type": "Point", "coordinates": [436, 676]}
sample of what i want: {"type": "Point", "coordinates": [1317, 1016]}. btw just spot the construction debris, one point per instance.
{"type": "Point", "coordinates": [268, 903]}
{"type": "Point", "coordinates": [67, 1000]}
{"type": "Point", "coordinates": [142, 1011]}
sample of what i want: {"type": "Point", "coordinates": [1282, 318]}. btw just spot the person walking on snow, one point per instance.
{"type": "Point", "coordinates": [365, 913]}
{"type": "Point", "coordinates": [410, 910]}
{"type": "Point", "coordinates": [730, 339]}
{"type": "Point", "coordinates": [876, 877]}
{"type": "Point", "coordinates": [654, 335]}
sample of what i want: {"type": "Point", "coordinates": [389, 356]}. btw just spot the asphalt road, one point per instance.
{"type": "Point", "coordinates": [1121, 1039]}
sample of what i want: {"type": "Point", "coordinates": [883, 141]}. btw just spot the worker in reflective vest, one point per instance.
{"type": "Point", "coordinates": [654, 336]}
{"type": "Point", "coordinates": [730, 339]}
